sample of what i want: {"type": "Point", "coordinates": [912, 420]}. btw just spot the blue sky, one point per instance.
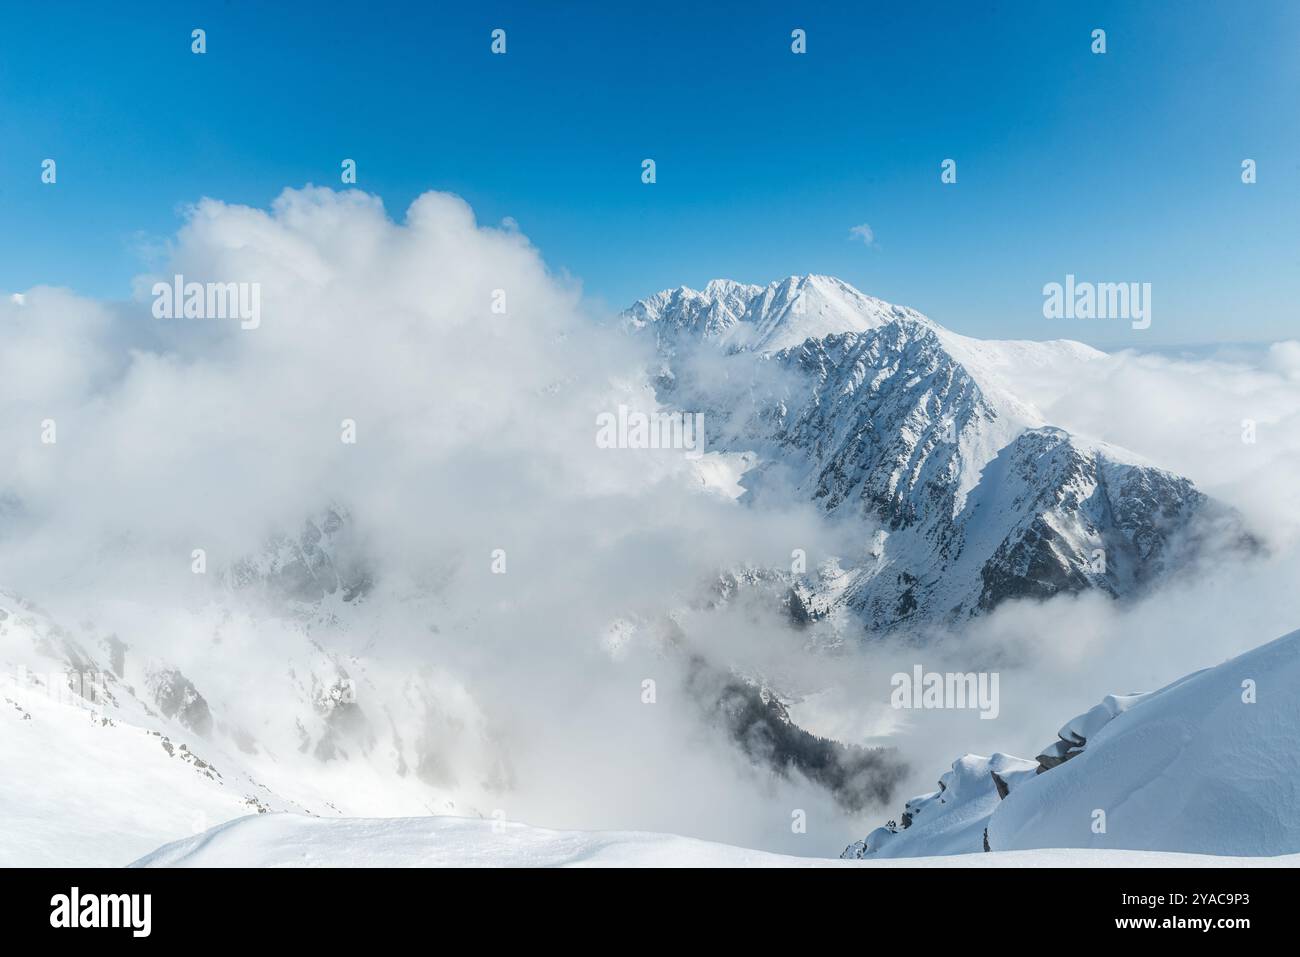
{"type": "Point", "coordinates": [1116, 167]}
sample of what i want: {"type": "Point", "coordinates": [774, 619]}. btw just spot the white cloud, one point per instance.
{"type": "Point", "coordinates": [475, 431]}
{"type": "Point", "coordinates": [1231, 425]}
{"type": "Point", "coordinates": [864, 233]}
{"type": "Point", "coordinates": [1284, 358]}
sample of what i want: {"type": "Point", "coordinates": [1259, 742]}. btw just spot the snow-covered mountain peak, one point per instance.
{"type": "Point", "coordinates": [766, 319]}
{"type": "Point", "coordinates": [721, 288]}
{"type": "Point", "coordinates": [872, 410]}
{"type": "Point", "coordinates": [790, 313]}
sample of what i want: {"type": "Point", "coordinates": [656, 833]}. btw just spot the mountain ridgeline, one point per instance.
{"type": "Point", "coordinates": [965, 494]}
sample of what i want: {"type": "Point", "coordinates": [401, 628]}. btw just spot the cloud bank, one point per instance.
{"type": "Point", "coordinates": [502, 540]}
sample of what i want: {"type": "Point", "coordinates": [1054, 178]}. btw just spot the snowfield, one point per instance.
{"type": "Point", "coordinates": [292, 840]}
{"type": "Point", "coordinates": [1207, 764]}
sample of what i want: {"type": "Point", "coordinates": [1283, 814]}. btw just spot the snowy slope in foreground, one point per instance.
{"type": "Point", "coordinates": [106, 753]}
{"type": "Point", "coordinates": [292, 840]}
{"type": "Point", "coordinates": [1206, 765]}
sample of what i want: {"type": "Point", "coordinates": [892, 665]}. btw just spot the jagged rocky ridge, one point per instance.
{"type": "Point", "coordinates": [965, 496]}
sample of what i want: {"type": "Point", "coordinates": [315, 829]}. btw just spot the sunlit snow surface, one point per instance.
{"type": "Point", "coordinates": [291, 840]}
{"type": "Point", "coordinates": [1206, 764]}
